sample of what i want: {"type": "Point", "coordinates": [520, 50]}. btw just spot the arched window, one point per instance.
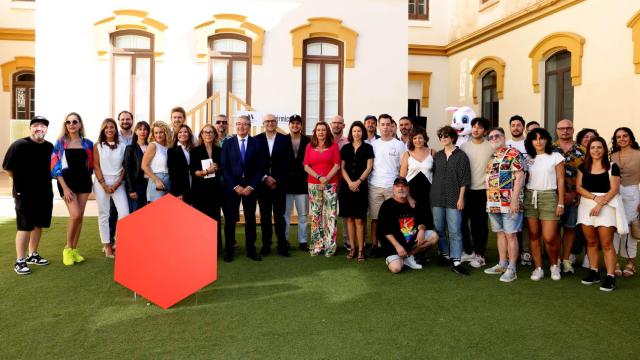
{"type": "Point", "coordinates": [229, 68]}
{"type": "Point", "coordinates": [322, 68]}
{"type": "Point", "coordinates": [24, 95]}
{"type": "Point", "coordinates": [558, 90]}
{"type": "Point", "coordinates": [132, 73]}
{"type": "Point", "coordinates": [490, 104]}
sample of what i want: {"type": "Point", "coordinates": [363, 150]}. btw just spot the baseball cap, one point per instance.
{"type": "Point", "coordinates": [400, 180]}
{"type": "Point", "coordinates": [39, 119]}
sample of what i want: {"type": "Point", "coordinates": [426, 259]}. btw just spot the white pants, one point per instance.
{"type": "Point", "coordinates": [102, 198]}
{"type": "Point", "coordinates": [625, 245]}
{"type": "Point", "coordinates": [302, 208]}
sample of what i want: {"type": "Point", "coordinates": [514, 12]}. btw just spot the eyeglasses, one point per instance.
{"type": "Point", "coordinates": [565, 128]}
{"type": "Point", "coordinates": [494, 137]}
{"type": "Point", "coordinates": [270, 121]}
{"type": "Point", "coordinates": [74, 122]}
{"type": "Point", "coordinates": [208, 132]}
{"type": "Point", "coordinates": [443, 136]}
{"type": "Point", "coordinates": [221, 122]}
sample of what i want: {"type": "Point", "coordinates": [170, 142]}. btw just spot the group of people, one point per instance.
{"type": "Point", "coordinates": [416, 197]}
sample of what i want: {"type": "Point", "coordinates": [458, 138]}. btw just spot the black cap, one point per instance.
{"type": "Point", "coordinates": [39, 119]}
{"type": "Point", "coordinates": [293, 118]}
{"type": "Point", "coordinates": [400, 180]}
{"type": "Point", "coordinates": [370, 117]}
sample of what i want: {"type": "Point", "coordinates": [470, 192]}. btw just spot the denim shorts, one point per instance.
{"type": "Point", "coordinates": [506, 223]}
{"type": "Point", "coordinates": [570, 217]}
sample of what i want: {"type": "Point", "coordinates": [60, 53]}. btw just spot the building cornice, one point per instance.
{"type": "Point", "coordinates": [516, 20]}
{"type": "Point", "coordinates": [17, 34]}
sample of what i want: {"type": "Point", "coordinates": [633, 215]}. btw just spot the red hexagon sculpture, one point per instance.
{"type": "Point", "coordinates": [166, 251]}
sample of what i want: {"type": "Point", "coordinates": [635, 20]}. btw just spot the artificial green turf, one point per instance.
{"type": "Point", "coordinates": [303, 307]}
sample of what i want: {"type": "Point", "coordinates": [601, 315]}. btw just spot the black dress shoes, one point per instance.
{"type": "Point", "coordinates": [265, 251]}
{"type": "Point", "coordinates": [254, 257]}
{"type": "Point", "coordinates": [228, 258]}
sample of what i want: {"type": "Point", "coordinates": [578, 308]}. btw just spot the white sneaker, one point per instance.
{"type": "Point", "coordinates": [410, 261]}
{"type": "Point", "coordinates": [508, 276]}
{"type": "Point", "coordinates": [537, 274]}
{"type": "Point", "coordinates": [585, 262]}
{"type": "Point", "coordinates": [555, 272]}
{"type": "Point", "coordinates": [478, 262]}
{"type": "Point", "coordinates": [573, 259]}
{"type": "Point", "coordinates": [495, 270]}
{"type": "Point", "coordinates": [567, 267]}
{"type": "Point", "coordinates": [468, 257]}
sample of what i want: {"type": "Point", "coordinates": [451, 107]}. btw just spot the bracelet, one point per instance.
{"type": "Point", "coordinates": [101, 181]}
{"type": "Point", "coordinates": [318, 177]}
{"type": "Point", "coordinates": [561, 206]}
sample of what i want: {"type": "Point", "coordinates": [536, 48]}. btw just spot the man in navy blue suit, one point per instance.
{"type": "Point", "coordinates": [243, 168]}
{"type": "Point", "coordinates": [276, 149]}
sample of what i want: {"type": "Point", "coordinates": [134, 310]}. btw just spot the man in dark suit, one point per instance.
{"type": "Point", "coordinates": [243, 169]}
{"type": "Point", "coordinates": [276, 148]}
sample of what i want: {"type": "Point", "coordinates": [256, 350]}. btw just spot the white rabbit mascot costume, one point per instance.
{"type": "Point", "coordinates": [461, 121]}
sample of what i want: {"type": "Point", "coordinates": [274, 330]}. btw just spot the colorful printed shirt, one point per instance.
{"type": "Point", "coordinates": [572, 159]}
{"type": "Point", "coordinates": [501, 178]}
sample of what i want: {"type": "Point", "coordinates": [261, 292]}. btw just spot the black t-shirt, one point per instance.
{"type": "Point", "coordinates": [598, 183]}
{"type": "Point", "coordinates": [29, 161]}
{"type": "Point", "coordinates": [399, 220]}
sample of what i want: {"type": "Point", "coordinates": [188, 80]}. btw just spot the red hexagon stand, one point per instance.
{"type": "Point", "coordinates": [166, 251]}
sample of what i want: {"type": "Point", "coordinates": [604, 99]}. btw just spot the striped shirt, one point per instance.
{"type": "Point", "coordinates": [449, 175]}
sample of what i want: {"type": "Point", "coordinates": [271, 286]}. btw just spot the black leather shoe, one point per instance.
{"type": "Point", "coordinates": [460, 269]}
{"type": "Point", "coordinates": [254, 257]}
{"type": "Point", "coordinates": [284, 253]}
{"type": "Point", "coordinates": [304, 247]}
{"type": "Point", "coordinates": [228, 258]}
{"type": "Point", "coordinates": [265, 251]}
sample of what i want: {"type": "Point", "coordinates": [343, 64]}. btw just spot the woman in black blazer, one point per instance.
{"type": "Point", "coordinates": [135, 182]}
{"type": "Point", "coordinates": [206, 190]}
{"type": "Point", "coordinates": [178, 164]}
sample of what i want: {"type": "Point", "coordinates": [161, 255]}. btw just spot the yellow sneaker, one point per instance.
{"type": "Point", "coordinates": [76, 256]}
{"type": "Point", "coordinates": [67, 256]}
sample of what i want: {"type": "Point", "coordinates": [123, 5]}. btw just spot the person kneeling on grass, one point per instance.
{"type": "Point", "coordinates": [401, 229]}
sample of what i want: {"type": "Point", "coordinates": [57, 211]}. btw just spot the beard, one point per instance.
{"type": "Point", "coordinates": [39, 136]}
{"type": "Point", "coordinates": [126, 126]}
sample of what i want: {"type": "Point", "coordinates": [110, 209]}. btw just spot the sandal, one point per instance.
{"type": "Point", "coordinates": [617, 272]}
{"type": "Point", "coordinates": [629, 270]}
{"type": "Point", "coordinates": [361, 257]}
{"type": "Point", "coordinates": [351, 254]}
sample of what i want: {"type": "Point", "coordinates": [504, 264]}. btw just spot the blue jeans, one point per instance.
{"type": "Point", "coordinates": [301, 202]}
{"type": "Point", "coordinates": [453, 219]}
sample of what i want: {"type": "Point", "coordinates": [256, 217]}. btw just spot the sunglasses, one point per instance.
{"type": "Point", "coordinates": [494, 137]}
{"type": "Point", "coordinates": [70, 122]}
{"type": "Point", "coordinates": [443, 136]}
{"type": "Point", "coordinates": [221, 122]}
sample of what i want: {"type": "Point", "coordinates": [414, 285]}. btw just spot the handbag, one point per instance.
{"type": "Point", "coordinates": [634, 228]}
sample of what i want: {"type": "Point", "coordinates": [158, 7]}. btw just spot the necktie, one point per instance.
{"type": "Point", "coordinates": [243, 149]}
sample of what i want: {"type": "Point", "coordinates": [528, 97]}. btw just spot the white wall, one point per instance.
{"type": "Point", "coordinates": [435, 113]}
{"type": "Point", "coordinates": [434, 31]}
{"type": "Point", "coordinates": [18, 16]}
{"type": "Point", "coordinates": [610, 89]}
{"type": "Point", "coordinates": [71, 78]}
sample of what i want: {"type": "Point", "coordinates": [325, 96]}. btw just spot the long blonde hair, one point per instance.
{"type": "Point", "coordinates": [167, 133]}
{"type": "Point", "coordinates": [64, 133]}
